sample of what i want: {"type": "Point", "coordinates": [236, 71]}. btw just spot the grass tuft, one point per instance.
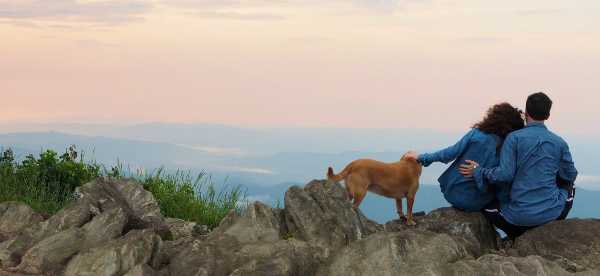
{"type": "Point", "coordinates": [47, 184]}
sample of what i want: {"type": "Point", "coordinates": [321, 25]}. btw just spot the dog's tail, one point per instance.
{"type": "Point", "coordinates": [337, 177]}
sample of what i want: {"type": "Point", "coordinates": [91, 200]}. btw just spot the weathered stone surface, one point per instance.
{"type": "Point", "coordinates": [104, 227]}
{"type": "Point", "coordinates": [317, 233]}
{"type": "Point", "coordinates": [180, 228]}
{"type": "Point", "coordinates": [142, 270]}
{"type": "Point", "coordinates": [493, 265]}
{"type": "Point", "coordinates": [140, 206]}
{"type": "Point", "coordinates": [258, 223]}
{"type": "Point", "coordinates": [411, 252]}
{"type": "Point", "coordinates": [470, 229]}
{"type": "Point", "coordinates": [14, 217]}
{"type": "Point", "coordinates": [225, 256]}
{"type": "Point", "coordinates": [577, 240]}
{"type": "Point", "coordinates": [73, 216]}
{"type": "Point", "coordinates": [117, 257]}
{"type": "Point", "coordinates": [51, 254]}
{"type": "Point", "coordinates": [321, 213]}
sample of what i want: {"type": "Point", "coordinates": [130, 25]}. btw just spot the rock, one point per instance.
{"type": "Point", "coordinates": [505, 266]}
{"type": "Point", "coordinates": [141, 270]}
{"type": "Point", "coordinates": [51, 254]}
{"type": "Point", "coordinates": [104, 227]}
{"type": "Point", "coordinates": [258, 223]}
{"type": "Point", "coordinates": [117, 257]}
{"type": "Point", "coordinates": [180, 228]}
{"type": "Point", "coordinates": [576, 240]}
{"type": "Point", "coordinates": [321, 213]}
{"type": "Point", "coordinates": [468, 228]}
{"type": "Point", "coordinates": [14, 217]}
{"type": "Point", "coordinates": [115, 228]}
{"type": "Point", "coordinates": [225, 256]}
{"type": "Point", "coordinates": [72, 216]}
{"type": "Point", "coordinates": [411, 252]}
{"type": "Point", "coordinates": [140, 206]}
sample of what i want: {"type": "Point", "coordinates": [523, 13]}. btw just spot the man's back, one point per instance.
{"type": "Point", "coordinates": [540, 157]}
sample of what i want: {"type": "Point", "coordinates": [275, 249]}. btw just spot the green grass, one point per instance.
{"type": "Point", "coordinates": [47, 184]}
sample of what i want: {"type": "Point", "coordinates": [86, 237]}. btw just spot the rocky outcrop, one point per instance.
{"type": "Point", "coordinates": [115, 228]}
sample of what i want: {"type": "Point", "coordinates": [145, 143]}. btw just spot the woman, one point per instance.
{"type": "Point", "coordinates": [482, 143]}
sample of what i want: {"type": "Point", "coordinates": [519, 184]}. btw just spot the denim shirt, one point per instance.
{"type": "Point", "coordinates": [531, 158]}
{"type": "Point", "coordinates": [459, 191]}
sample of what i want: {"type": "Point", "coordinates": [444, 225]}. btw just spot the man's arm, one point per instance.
{"type": "Point", "coordinates": [504, 173]}
{"type": "Point", "coordinates": [448, 154]}
{"type": "Point", "coordinates": [567, 170]}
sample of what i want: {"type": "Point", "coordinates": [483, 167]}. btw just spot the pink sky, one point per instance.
{"type": "Point", "coordinates": [364, 63]}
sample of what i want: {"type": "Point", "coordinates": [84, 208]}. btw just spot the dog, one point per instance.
{"type": "Point", "coordinates": [396, 180]}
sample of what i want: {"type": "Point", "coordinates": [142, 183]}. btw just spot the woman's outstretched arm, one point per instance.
{"type": "Point", "coordinates": [448, 154]}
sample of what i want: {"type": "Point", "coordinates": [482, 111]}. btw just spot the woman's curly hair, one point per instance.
{"type": "Point", "coordinates": [501, 119]}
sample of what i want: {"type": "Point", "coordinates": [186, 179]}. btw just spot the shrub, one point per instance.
{"type": "Point", "coordinates": [47, 184]}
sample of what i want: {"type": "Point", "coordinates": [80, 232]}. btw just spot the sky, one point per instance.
{"type": "Point", "coordinates": [433, 64]}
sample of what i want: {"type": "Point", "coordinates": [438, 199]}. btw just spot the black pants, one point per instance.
{"type": "Point", "coordinates": [493, 215]}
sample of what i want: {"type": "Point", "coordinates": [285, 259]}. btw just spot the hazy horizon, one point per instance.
{"type": "Point", "coordinates": [431, 64]}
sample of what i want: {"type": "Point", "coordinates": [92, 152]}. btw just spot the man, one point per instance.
{"type": "Point", "coordinates": [540, 168]}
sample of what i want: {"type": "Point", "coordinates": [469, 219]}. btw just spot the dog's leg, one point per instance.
{"type": "Point", "coordinates": [358, 198]}
{"type": "Point", "coordinates": [399, 208]}
{"type": "Point", "coordinates": [411, 202]}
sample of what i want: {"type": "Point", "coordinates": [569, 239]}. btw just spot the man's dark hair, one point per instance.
{"type": "Point", "coordinates": [538, 106]}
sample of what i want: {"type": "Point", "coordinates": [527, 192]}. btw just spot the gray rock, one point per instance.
{"type": "Point", "coordinates": [576, 240]}
{"type": "Point", "coordinates": [226, 256]}
{"type": "Point", "coordinates": [470, 229]}
{"type": "Point", "coordinates": [258, 223]}
{"type": "Point", "coordinates": [51, 254]}
{"type": "Point", "coordinates": [14, 217]}
{"type": "Point", "coordinates": [180, 228]}
{"type": "Point", "coordinates": [117, 257]}
{"type": "Point", "coordinates": [495, 265]}
{"type": "Point", "coordinates": [142, 270]}
{"type": "Point", "coordinates": [410, 252]}
{"type": "Point", "coordinates": [73, 216]}
{"type": "Point", "coordinates": [321, 213]}
{"type": "Point", "coordinates": [140, 206]}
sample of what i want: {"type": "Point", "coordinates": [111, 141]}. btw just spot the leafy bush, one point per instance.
{"type": "Point", "coordinates": [47, 184]}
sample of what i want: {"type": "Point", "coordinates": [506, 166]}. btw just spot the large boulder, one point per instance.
{"type": "Point", "coordinates": [411, 252]}
{"type": "Point", "coordinates": [321, 213]}
{"type": "Point", "coordinates": [142, 209]}
{"type": "Point", "coordinates": [73, 216]}
{"type": "Point", "coordinates": [576, 240]}
{"type": "Point", "coordinates": [496, 265]}
{"type": "Point", "coordinates": [470, 229]}
{"type": "Point", "coordinates": [117, 257]}
{"type": "Point", "coordinates": [14, 217]}
{"type": "Point", "coordinates": [251, 243]}
{"type": "Point", "coordinates": [104, 210]}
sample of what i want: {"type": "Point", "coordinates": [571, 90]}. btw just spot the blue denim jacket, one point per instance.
{"type": "Point", "coordinates": [531, 158]}
{"type": "Point", "coordinates": [459, 191]}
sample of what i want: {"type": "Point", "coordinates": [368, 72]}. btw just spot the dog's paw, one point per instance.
{"type": "Point", "coordinates": [411, 223]}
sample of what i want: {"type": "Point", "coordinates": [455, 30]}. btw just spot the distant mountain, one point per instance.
{"type": "Point", "coordinates": [267, 165]}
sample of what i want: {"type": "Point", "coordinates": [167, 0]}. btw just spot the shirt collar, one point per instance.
{"type": "Point", "coordinates": [536, 124]}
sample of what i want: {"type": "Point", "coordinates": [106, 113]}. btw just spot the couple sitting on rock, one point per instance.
{"type": "Point", "coordinates": [520, 176]}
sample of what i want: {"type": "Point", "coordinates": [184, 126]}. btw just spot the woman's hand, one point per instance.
{"type": "Point", "coordinates": [468, 168]}
{"type": "Point", "coordinates": [411, 155]}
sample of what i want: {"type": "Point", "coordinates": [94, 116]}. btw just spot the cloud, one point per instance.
{"type": "Point", "coordinates": [104, 12]}
{"type": "Point", "coordinates": [590, 182]}
{"type": "Point", "coordinates": [238, 15]}
{"type": "Point", "coordinates": [533, 12]}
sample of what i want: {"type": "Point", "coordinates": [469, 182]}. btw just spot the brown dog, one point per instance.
{"type": "Point", "coordinates": [393, 180]}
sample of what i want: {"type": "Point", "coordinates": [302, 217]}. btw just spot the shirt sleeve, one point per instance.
{"type": "Point", "coordinates": [448, 154]}
{"type": "Point", "coordinates": [567, 170]}
{"type": "Point", "coordinates": [506, 170]}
